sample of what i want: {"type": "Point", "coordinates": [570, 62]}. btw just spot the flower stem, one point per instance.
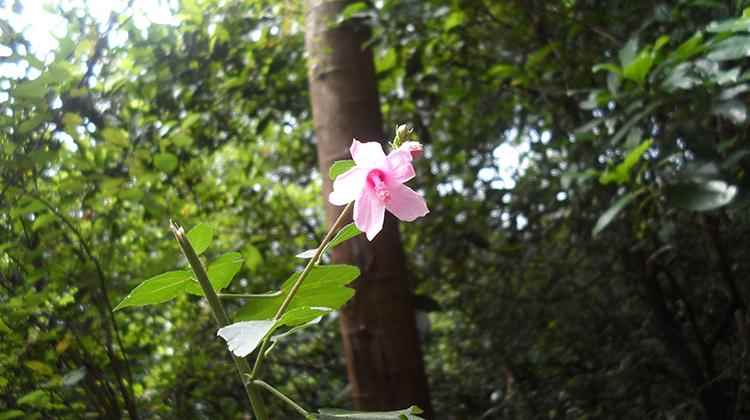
{"type": "Point", "coordinates": [249, 295]}
{"type": "Point", "coordinates": [295, 287]}
{"type": "Point", "coordinates": [278, 394]}
{"type": "Point", "coordinates": [220, 315]}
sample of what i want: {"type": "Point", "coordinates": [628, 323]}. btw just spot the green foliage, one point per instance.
{"type": "Point", "coordinates": [324, 287]}
{"type": "Point", "coordinates": [158, 289]}
{"type": "Point", "coordinates": [540, 315]}
{"type": "Point", "coordinates": [339, 167]}
{"type": "Point", "coordinates": [200, 237]}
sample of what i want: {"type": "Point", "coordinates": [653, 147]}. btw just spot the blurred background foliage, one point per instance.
{"type": "Point", "coordinates": [587, 252]}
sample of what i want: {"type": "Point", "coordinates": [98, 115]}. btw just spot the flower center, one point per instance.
{"type": "Point", "coordinates": [376, 180]}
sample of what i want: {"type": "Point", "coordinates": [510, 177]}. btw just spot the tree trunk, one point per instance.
{"type": "Point", "coordinates": [383, 355]}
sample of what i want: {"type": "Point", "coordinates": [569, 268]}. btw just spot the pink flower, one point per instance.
{"type": "Point", "coordinates": [375, 184]}
{"type": "Point", "coordinates": [414, 148]}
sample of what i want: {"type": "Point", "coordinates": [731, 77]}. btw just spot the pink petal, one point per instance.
{"type": "Point", "coordinates": [400, 167]}
{"type": "Point", "coordinates": [348, 186]}
{"type": "Point", "coordinates": [369, 213]}
{"type": "Point", "coordinates": [414, 148]}
{"type": "Point", "coordinates": [367, 155]}
{"type": "Point", "coordinates": [405, 203]}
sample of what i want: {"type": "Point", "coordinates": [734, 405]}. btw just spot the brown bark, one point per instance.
{"type": "Point", "coordinates": [383, 354]}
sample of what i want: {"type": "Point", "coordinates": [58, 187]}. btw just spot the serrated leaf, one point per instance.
{"type": "Point", "coordinates": [243, 337]}
{"type": "Point", "coordinates": [166, 162]}
{"type": "Point", "coordinates": [158, 289]}
{"type": "Point", "coordinates": [339, 414]}
{"type": "Point", "coordinates": [608, 216]}
{"type": "Point", "coordinates": [324, 287]}
{"type": "Point", "coordinates": [701, 195]}
{"type": "Point", "coordinates": [200, 237]}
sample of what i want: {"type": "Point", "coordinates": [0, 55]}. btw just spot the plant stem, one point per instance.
{"type": "Point", "coordinates": [220, 315]}
{"type": "Point", "coordinates": [249, 295]}
{"type": "Point", "coordinates": [278, 394]}
{"type": "Point", "coordinates": [295, 287]}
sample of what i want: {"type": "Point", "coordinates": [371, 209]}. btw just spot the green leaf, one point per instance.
{"type": "Point", "coordinates": [220, 272]}
{"type": "Point", "coordinates": [385, 62]}
{"type": "Point", "coordinates": [324, 287]}
{"type": "Point", "coordinates": [455, 19]}
{"type": "Point", "coordinates": [116, 136]}
{"type": "Point", "coordinates": [628, 52]}
{"type": "Point", "coordinates": [32, 89]}
{"type": "Point", "coordinates": [243, 337]}
{"type": "Point", "coordinates": [347, 232]}
{"type": "Point", "coordinates": [28, 206]}
{"type": "Point", "coordinates": [339, 167]}
{"type": "Point", "coordinates": [32, 123]}
{"type": "Point", "coordinates": [39, 367]}
{"type": "Point", "coordinates": [166, 162]}
{"type": "Point", "coordinates": [351, 10]}
{"type": "Point", "coordinates": [4, 327]}
{"type": "Point", "coordinates": [200, 237]}
{"type": "Point", "coordinates": [58, 72]}
{"type": "Point", "coordinates": [638, 68]}
{"type": "Point", "coordinates": [338, 414]}
{"type": "Point", "coordinates": [701, 195]}
{"type": "Point", "coordinates": [612, 68]}
{"type": "Point", "coordinates": [689, 48]}
{"type": "Point", "coordinates": [158, 289]}
{"type": "Point", "coordinates": [608, 216]}
{"type": "Point", "coordinates": [621, 173]}
{"type": "Point", "coordinates": [302, 315]}
{"type": "Point", "coordinates": [43, 221]}
{"type": "Point", "coordinates": [733, 109]}
{"type": "Point", "coordinates": [253, 257]}
{"type": "Point", "coordinates": [11, 414]}
{"type": "Point", "coordinates": [732, 25]}
{"type": "Point", "coordinates": [36, 398]}
{"type": "Point", "coordinates": [660, 42]}
{"type": "Point", "coordinates": [731, 49]}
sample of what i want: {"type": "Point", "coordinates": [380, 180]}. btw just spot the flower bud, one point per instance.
{"type": "Point", "coordinates": [403, 133]}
